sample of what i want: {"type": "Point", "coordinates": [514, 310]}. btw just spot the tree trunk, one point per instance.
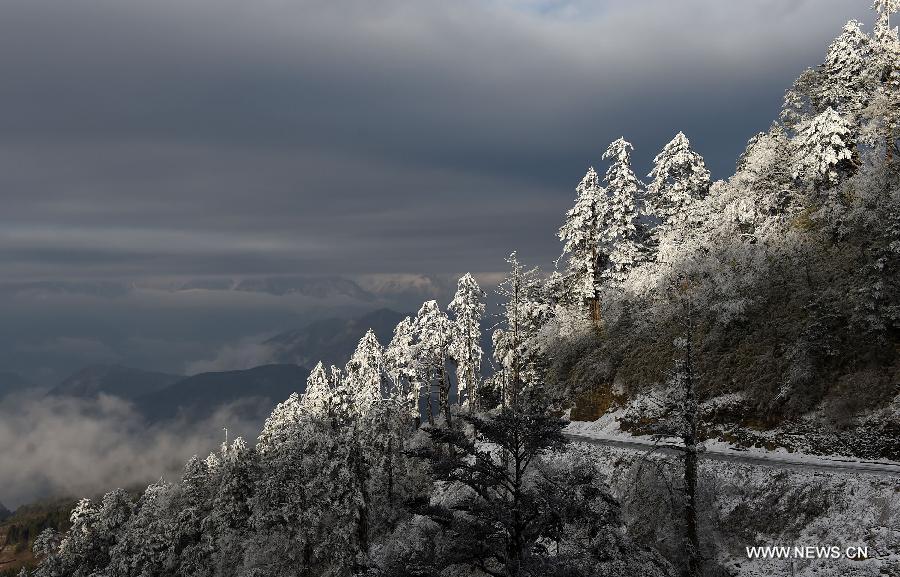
{"type": "Point", "coordinates": [430, 403]}
{"type": "Point", "coordinates": [690, 510]}
{"type": "Point", "coordinates": [690, 460]}
{"type": "Point", "coordinates": [594, 305]}
{"type": "Point", "coordinates": [390, 470]}
{"type": "Point", "coordinates": [362, 476]}
{"type": "Point", "coordinates": [445, 395]}
{"type": "Point", "coordinates": [888, 159]}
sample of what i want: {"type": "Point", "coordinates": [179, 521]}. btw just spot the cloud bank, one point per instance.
{"type": "Point", "coordinates": [76, 447]}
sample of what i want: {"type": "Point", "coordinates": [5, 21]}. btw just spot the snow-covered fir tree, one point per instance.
{"type": "Point", "coordinates": [764, 180]}
{"type": "Point", "coordinates": [467, 308]}
{"type": "Point", "coordinates": [433, 333]}
{"type": "Point", "coordinates": [365, 374]}
{"type": "Point", "coordinates": [881, 119]}
{"type": "Point", "coordinates": [582, 243]}
{"type": "Point", "coordinates": [281, 421]}
{"type": "Point", "coordinates": [847, 74]}
{"type": "Point", "coordinates": [524, 312]}
{"type": "Point", "coordinates": [825, 150]}
{"type": "Point", "coordinates": [400, 364]}
{"type": "Point", "coordinates": [622, 239]}
{"type": "Point", "coordinates": [679, 179]}
{"type": "Point", "coordinates": [317, 395]}
{"type": "Point", "coordinates": [884, 9]}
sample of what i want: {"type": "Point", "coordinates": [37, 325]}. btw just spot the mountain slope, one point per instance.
{"type": "Point", "coordinates": [125, 382]}
{"type": "Point", "coordinates": [198, 396]}
{"type": "Point", "coordinates": [332, 341]}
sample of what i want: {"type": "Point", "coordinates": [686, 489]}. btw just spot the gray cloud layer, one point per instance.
{"type": "Point", "coordinates": [142, 142]}
{"type": "Point", "coordinates": [205, 136]}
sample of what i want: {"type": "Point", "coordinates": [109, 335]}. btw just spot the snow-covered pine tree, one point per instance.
{"type": "Point", "coordinates": [86, 548]}
{"type": "Point", "coordinates": [433, 336]}
{"type": "Point", "coordinates": [191, 505]}
{"type": "Point", "coordinates": [304, 505]}
{"type": "Point", "coordinates": [365, 374]}
{"type": "Point", "coordinates": [341, 406]}
{"type": "Point", "coordinates": [680, 179]}
{"type": "Point", "coordinates": [229, 521]}
{"type": "Point", "coordinates": [825, 150]}
{"type": "Point", "coordinates": [620, 233]}
{"type": "Point", "coordinates": [765, 177]}
{"type": "Point", "coordinates": [881, 119]}
{"type": "Point", "coordinates": [401, 367]}
{"type": "Point", "coordinates": [316, 397]}
{"type": "Point", "coordinates": [280, 423]}
{"type": "Point", "coordinates": [581, 237]}
{"type": "Point", "coordinates": [884, 9]}
{"type": "Point", "coordinates": [847, 76]}
{"type": "Point", "coordinates": [143, 544]}
{"type": "Point", "coordinates": [465, 347]}
{"type": "Point", "coordinates": [524, 313]}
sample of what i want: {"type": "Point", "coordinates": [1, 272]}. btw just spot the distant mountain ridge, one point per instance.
{"type": "Point", "coordinates": [253, 391]}
{"type": "Point", "coordinates": [117, 380]}
{"type": "Point", "coordinates": [333, 340]}
{"type": "Point", "coordinates": [198, 396]}
{"type": "Point", "coordinates": [313, 286]}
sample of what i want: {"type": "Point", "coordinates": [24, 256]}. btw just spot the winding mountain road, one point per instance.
{"type": "Point", "coordinates": [792, 461]}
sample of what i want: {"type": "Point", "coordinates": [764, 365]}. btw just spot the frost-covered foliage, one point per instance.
{"type": "Point", "coordinates": [883, 31]}
{"type": "Point", "coordinates": [620, 231]}
{"type": "Point", "coordinates": [365, 374]}
{"type": "Point", "coordinates": [824, 149]}
{"type": "Point", "coordinates": [525, 310]}
{"type": "Point", "coordinates": [680, 179]}
{"type": "Point", "coordinates": [433, 337]}
{"type": "Point", "coordinates": [305, 501]}
{"type": "Point", "coordinates": [582, 245]}
{"type": "Point", "coordinates": [465, 348]}
{"type": "Point", "coordinates": [510, 502]}
{"type": "Point", "coordinates": [792, 263]}
{"type": "Point", "coordinates": [401, 366]}
{"type": "Point", "coordinates": [317, 395]}
{"type": "Point", "coordinates": [745, 505]}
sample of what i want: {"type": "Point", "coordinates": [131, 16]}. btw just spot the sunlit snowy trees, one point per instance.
{"type": "Point", "coordinates": [524, 312]}
{"type": "Point", "coordinates": [433, 338]}
{"type": "Point", "coordinates": [365, 374]}
{"type": "Point", "coordinates": [582, 245]}
{"type": "Point", "coordinates": [680, 180]}
{"type": "Point", "coordinates": [402, 367]}
{"type": "Point", "coordinates": [317, 395]}
{"type": "Point", "coordinates": [465, 348]}
{"type": "Point", "coordinates": [825, 150]}
{"type": "Point", "coordinates": [620, 230]}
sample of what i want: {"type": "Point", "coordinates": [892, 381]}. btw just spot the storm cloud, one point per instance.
{"type": "Point", "coordinates": [149, 143]}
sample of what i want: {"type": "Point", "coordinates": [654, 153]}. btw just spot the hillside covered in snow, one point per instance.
{"type": "Point", "coordinates": [763, 310]}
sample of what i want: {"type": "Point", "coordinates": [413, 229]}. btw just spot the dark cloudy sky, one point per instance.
{"type": "Point", "coordinates": [148, 144]}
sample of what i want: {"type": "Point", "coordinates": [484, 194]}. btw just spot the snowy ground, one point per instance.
{"type": "Point", "coordinates": [758, 498]}
{"type": "Point", "coordinates": [605, 431]}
